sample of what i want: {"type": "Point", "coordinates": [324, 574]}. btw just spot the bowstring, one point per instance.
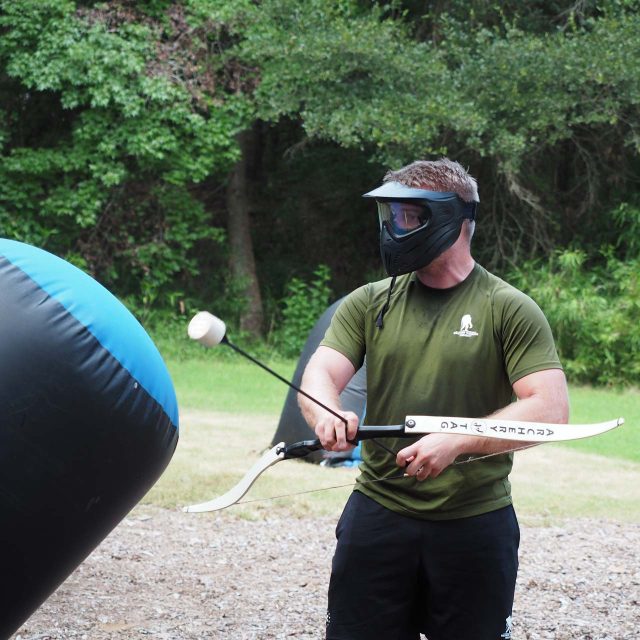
{"type": "Point", "coordinates": [497, 453]}
{"type": "Point", "coordinates": [335, 486]}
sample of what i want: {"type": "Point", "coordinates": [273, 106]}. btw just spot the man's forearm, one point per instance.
{"type": "Point", "coordinates": [318, 384]}
{"type": "Point", "coordinates": [326, 375]}
{"type": "Point", "coordinates": [532, 409]}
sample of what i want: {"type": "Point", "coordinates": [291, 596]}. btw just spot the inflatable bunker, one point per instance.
{"type": "Point", "coordinates": [88, 422]}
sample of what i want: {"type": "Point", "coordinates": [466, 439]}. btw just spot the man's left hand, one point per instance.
{"type": "Point", "coordinates": [429, 456]}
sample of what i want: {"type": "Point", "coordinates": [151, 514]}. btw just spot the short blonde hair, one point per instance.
{"type": "Point", "coordinates": [437, 175]}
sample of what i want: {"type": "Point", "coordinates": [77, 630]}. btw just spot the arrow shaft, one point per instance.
{"type": "Point", "coordinates": [279, 377]}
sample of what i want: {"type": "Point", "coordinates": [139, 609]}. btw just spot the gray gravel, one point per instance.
{"type": "Point", "coordinates": [168, 575]}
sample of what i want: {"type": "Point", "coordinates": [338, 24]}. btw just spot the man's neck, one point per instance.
{"type": "Point", "coordinates": [447, 270]}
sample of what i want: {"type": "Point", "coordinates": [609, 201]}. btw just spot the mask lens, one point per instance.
{"type": "Point", "coordinates": [404, 217]}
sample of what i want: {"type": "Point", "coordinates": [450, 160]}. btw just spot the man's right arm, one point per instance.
{"type": "Point", "coordinates": [324, 378]}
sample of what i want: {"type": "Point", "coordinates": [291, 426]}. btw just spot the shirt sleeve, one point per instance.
{"type": "Point", "coordinates": [527, 340]}
{"type": "Point", "coordinates": [346, 333]}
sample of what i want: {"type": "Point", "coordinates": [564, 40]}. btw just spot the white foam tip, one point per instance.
{"type": "Point", "coordinates": [207, 329]}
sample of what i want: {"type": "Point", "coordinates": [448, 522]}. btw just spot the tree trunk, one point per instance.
{"type": "Point", "coordinates": [241, 258]}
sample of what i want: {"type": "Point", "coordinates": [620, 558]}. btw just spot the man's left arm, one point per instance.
{"type": "Point", "coordinates": [541, 397]}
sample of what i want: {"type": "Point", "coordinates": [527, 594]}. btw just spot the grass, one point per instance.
{"type": "Point", "coordinates": [552, 482]}
{"type": "Point", "coordinates": [215, 384]}
{"type": "Point", "coordinates": [230, 410]}
{"type": "Point", "coordinates": [596, 405]}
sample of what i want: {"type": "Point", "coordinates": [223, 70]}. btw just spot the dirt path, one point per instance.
{"type": "Point", "coordinates": [165, 575]}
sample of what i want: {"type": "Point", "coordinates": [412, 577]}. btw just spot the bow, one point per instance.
{"type": "Point", "coordinates": [523, 431]}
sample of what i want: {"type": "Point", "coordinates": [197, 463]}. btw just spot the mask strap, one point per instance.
{"type": "Point", "coordinates": [380, 318]}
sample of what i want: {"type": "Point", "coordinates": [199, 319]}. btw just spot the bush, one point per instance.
{"type": "Point", "coordinates": [593, 306]}
{"type": "Point", "coordinates": [302, 305]}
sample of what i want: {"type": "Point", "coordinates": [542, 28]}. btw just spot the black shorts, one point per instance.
{"type": "Point", "coordinates": [394, 577]}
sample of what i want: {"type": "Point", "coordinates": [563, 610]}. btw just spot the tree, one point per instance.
{"type": "Point", "coordinates": [123, 120]}
{"type": "Point", "coordinates": [241, 254]}
{"type": "Point", "coordinates": [109, 120]}
{"type": "Point", "coordinates": [540, 100]}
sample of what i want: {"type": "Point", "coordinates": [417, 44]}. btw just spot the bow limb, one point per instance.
{"type": "Point", "coordinates": [507, 429]}
{"type": "Point", "coordinates": [268, 459]}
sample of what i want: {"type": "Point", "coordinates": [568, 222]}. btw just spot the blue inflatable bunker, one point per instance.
{"type": "Point", "coordinates": [88, 422]}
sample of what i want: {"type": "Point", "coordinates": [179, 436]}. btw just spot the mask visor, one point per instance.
{"type": "Point", "coordinates": [404, 217]}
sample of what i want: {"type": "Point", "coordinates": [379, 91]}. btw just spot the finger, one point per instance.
{"type": "Point", "coordinates": [408, 461]}
{"type": "Point", "coordinates": [418, 471]}
{"type": "Point", "coordinates": [340, 430]}
{"type": "Point", "coordinates": [353, 422]}
{"type": "Point", "coordinates": [406, 455]}
{"type": "Point", "coordinates": [419, 466]}
{"type": "Point", "coordinates": [326, 435]}
{"type": "Point", "coordinates": [413, 468]}
{"type": "Point", "coordinates": [422, 474]}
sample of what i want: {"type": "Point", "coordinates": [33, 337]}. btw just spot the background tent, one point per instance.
{"type": "Point", "coordinates": [292, 426]}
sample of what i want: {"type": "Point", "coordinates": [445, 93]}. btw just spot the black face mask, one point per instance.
{"type": "Point", "coordinates": [412, 239]}
{"type": "Point", "coordinates": [406, 252]}
{"type": "Point", "coordinates": [416, 226]}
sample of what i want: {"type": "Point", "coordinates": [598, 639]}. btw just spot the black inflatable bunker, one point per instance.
{"type": "Point", "coordinates": [88, 422]}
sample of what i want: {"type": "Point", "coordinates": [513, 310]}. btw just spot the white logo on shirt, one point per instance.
{"type": "Point", "coordinates": [465, 327]}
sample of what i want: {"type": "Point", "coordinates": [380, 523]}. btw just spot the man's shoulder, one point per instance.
{"type": "Point", "coordinates": [507, 300]}
{"type": "Point", "coordinates": [498, 289]}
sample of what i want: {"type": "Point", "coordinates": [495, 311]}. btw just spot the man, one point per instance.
{"type": "Point", "coordinates": [428, 540]}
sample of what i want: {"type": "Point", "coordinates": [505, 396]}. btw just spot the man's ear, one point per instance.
{"type": "Point", "coordinates": [468, 229]}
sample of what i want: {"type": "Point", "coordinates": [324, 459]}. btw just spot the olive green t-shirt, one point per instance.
{"type": "Point", "coordinates": [453, 352]}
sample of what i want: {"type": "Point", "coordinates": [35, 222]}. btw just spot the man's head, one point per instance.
{"type": "Point", "coordinates": [422, 209]}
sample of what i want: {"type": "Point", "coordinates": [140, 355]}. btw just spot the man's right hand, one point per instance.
{"type": "Point", "coordinates": [326, 375]}
{"type": "Point", "coordinates": [333, 434]}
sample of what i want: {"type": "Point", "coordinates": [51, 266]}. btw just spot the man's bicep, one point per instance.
{"type": "Point", "coordinates": [332, 363]}
{"type": "Point", "coordinates": [346, 333]}
{"type": "Point", "coordinates": [550, 386]}
{"type": "Point", "coordinates": [527, 341]}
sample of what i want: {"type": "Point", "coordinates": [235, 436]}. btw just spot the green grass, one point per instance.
{"type": "Point", "coordinates": [217, 384]}
{"type": "Point", "coordinates": [551, 483]}
{"type": "Point", "coordinates": [597, 405]}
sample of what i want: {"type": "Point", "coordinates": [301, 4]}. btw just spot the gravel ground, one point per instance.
{"type": "Point", "coordinates": [168, 575]}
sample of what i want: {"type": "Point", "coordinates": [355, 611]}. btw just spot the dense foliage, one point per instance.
{"type": "Point", "coordinates": [302, 306]}
{"type": "Point", "coordinates": [593, 304]}
{"type": "Point", "coordinates": [101, 142]}
{"type": "Point", "coordinates": [123, 125]}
